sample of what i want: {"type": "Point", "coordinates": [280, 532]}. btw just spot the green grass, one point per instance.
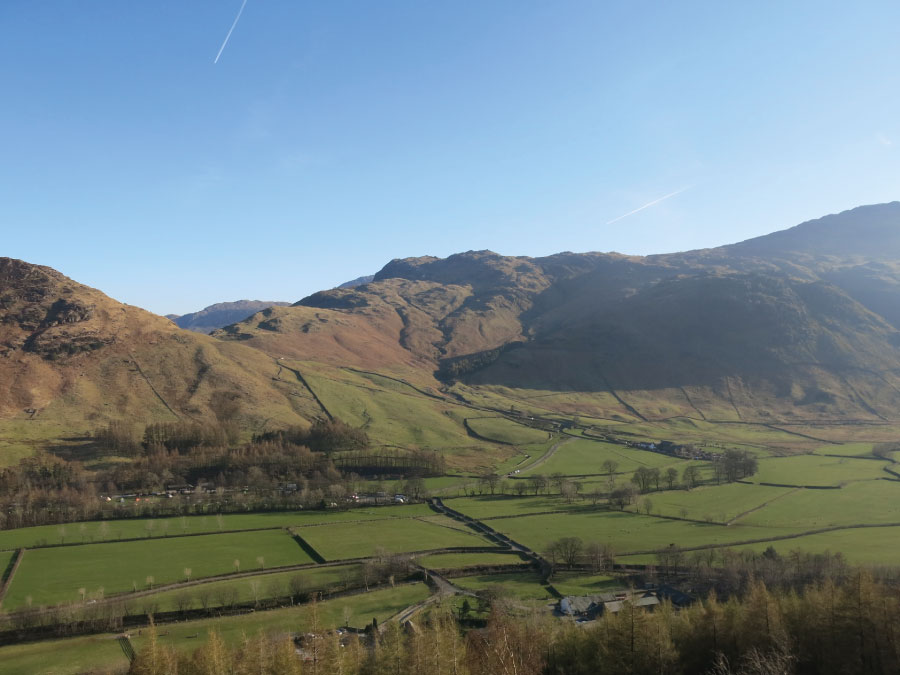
{"type": "Point", "coordinates": [851, 449]}
{"type": "Point", "coordinates": [159, 528]}
{"type": "Point", "coordinates": [268, 586]}
{"type": "Point", "coordinates": [627, 532]}
{"type": "Point", "coordinates": [719, 503]}
{"type": "Point", "coordinates": [53, 575]}
{"type": "Point", "coordinates": [448, 561]}
{"type": "Point", "coordinates": [5, 559]}
{"type": "Point", "coordinates": [349, 540]}
{"type": "Point", "coordinates": [80, 655]}
{"type": "Point", "coordinates": [521, 585]}
{"type": "Point", "coordinates": [363, 607]}
{"type": "Point", "coordinates": [63, 657]}
{"type": "Point", "coordinates": [389, 416]}
{"type": "Point", "coordinates": [586, 457]}
{"type": "Point", "coordinates": [816, 470]}
{"type": "Point", "coordinates": [488, 506]}
{"type": "Point", "coordinates": [569, 583]}
{"type": "Point", "coordinates": [865, 502]}
{"type": "Point", "coordinates": [863, 546]}
{"type": "Point", "coordinates": [504, 430]}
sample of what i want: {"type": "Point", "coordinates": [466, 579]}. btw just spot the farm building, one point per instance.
{"type": "Point", "coordinates": [589, 607]}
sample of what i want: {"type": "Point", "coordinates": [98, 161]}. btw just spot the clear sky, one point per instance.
{"type": "Point", "coordinates": [332, 136]}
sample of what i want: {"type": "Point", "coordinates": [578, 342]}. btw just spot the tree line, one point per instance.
{"type": "Point", "coordinates": [830, 628]}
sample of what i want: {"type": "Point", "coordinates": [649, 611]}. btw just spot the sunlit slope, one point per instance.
{"type": "Point", "coordinates": [72, 359]}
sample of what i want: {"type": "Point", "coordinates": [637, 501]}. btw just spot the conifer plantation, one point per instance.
{"type": "Point", "coordinates": [828, 628]}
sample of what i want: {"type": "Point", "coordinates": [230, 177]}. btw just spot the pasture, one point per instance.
{"type": "Point", "coordinates": [254, 588]}
{"type": "Point", "coordinates": [875, 501]}
{"type": "Point", "coordinates": [879, 546]}
{"type": "Point", "coordinates": [520, 585]}
{"type": "Point", "coordinates": [84, 654]}
{"type": "Point", "coordinates": [52, 575]}
{"type": "Point", "coordinates": [817, 470]}
{"type": "Point", "coordinates": [569, 583]}
{"type": "Point", "coordinates": [718, 503]}
{"type": "Point", "coordinates": [387, 414]}
{"type": "Point", "coordinates": [584, 457]}
{"type": "Point", "coordinates": [161, 528]}
{"type": "Point", "coordinates": [359, 608]}
{"type": "Point", "coordinates": [503, 430]}
{"type": "Point", "coordinates": [494, 506]}
{"type": "Point", "coordinates": [446, 561]}
{"type": "Point", "coordinates": [348, 540]}
{"type": "Point", "coordinates": [628, 532]}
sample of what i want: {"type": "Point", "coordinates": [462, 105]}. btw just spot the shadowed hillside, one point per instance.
{"type": "Point", "coordinates": [799, 323]}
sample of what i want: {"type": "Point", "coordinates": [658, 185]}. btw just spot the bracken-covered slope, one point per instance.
{"type": "Point", "coordinates": [72, 359]}
{"type": "Point", "coordinates": [798, 324]}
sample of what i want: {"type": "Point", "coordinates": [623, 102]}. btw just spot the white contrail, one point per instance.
{"type": "Point", "coordinates": [236, 19]}
{"type": "Point", "coordinates": [649, 204]}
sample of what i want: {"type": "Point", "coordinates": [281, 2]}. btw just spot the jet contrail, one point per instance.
{"type": "Point", "coordinates": [236, 19]}
{"type": "Point", "coordinates": [649, 204]}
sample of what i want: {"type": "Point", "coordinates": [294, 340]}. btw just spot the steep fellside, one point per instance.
{"type": "Point", "coordinates": [796, 325]}
{"type": "Point", "coordinates": [72, 359]}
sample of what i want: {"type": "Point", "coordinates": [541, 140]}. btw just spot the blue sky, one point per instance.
{"type": "Point", "coordinates": [333, 136]}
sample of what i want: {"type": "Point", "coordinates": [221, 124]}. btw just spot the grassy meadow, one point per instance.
{"type": "Point", "coordinates": [253, 588]}
{"type": "Point", "coordinates": [446, 561]}
{"type": "Point", "coordinates": [348, 540]}
{"type": "Point", "coordinates": [580, 457]}
{"type": "Point", "coordinates": [520, 585]}
{"type": "Point", "coordinates": [817, 470]}
{"type": "Point", "coordinates": [79, 655]}
{"type": "Point", "coordinates": [52, 575]}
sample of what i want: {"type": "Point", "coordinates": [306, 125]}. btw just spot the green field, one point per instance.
{"type": "Point", "coordinates": [521, 585]}
{"type": "Point", "coordinates": [817, 470]}
{"type": "Point", "coordinates": [488, 506]}
{"type": "Point", "coordinates": [348, 540]}
{"type": "Point", "coordinates": [253, 588]}
{"type": "Point", "coordinates": [568, 583]}
{"type": "Point", "coordinates": [627, 532]}
{"type": "Point", "coordinates": [719, 503]}
{"type": "Point", "coordinates": [850, 449]}
{"type": "Point", "coordinates": [863, 546]}
{"type": "Point", "coordinates": [446, 561]}
{"type": "Point", "coordinates": [387, 414]}
{"type": "Point", "coordinates": [79, 655]}
{"type": "Point", "coordinates": [63, 657]}
{"type": "Point", "coordinates": [503, 430]}
{"type": "Point", "coordinates": [581, 457]}
{"type": "Point", "coordinates": [54, 575]}
{"type": "Point", "coordinates": [875, 501]}
{"type": "Point", "coordinates": [5, 559]}
{"type": "Point", "coordinates": [160, 528]}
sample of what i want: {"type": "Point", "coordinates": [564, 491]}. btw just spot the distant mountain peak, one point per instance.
{"type": "Point", "coordinates": [871, 231]}
{"type": "Point", "coordinates": [223, 314]}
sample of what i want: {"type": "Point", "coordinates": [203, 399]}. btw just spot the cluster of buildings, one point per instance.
{"type": "Point", "coordinates": [583, 608]}
{"type": "Point", "coordinates": [676, 450]}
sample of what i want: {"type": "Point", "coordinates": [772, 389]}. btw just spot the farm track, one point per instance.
{"type": "Point", "coordinates": [761, 506]}
{"type": "Point", "coordinates": [547, 455]}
